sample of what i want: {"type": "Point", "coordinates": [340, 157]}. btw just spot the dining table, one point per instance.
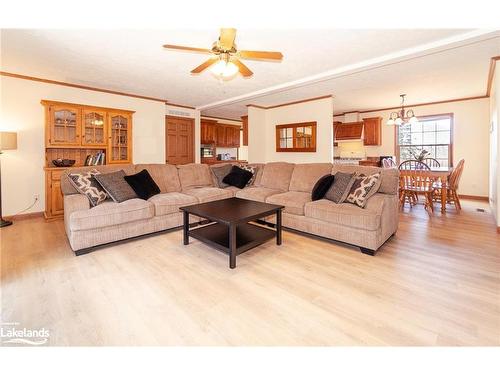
{"type": "Point", "coordinates": [437, 174]}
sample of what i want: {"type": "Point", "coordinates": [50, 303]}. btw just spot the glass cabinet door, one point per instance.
{"type": "Point", "coordinates": [94, 128]}
{"type": "Point", "coordinates": [119, 142]}
{"type": "Point", "coordinates": [64, 126]}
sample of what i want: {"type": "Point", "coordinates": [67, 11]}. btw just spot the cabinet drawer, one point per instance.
{"type": "Point", "coordinates": [56, 175]}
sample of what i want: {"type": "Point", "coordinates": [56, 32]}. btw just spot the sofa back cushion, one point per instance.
{"type": "Point", "coordinates": [194, 175]}
{"type": "Point", "coordinates": [305, 176]}
{"type": "Point", "coordinates": [277, 175]}
{"type": "Point", "coordinates": [389, 183]}
{"type": "Point", "coordinates": [67, 187]}
{"type": "Point", "coordinates": [258, 174]}
{"type": "Point", "coordinates": [164, 175]}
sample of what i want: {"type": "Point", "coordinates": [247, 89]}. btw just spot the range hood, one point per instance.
{"type": "Point", "coordinates": [348, 131]}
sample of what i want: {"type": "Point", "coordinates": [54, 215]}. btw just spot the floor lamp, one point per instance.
{"type": "Point", "coordinates": [8, 141]}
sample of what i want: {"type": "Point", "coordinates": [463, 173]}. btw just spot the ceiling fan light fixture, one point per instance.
{"type": "Point", "coordinates": [224, 69]}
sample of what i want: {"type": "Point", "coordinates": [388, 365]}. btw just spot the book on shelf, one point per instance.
{"type": "Point", "coordinates": [98, 159]}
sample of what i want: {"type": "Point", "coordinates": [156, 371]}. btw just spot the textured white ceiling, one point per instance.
{"type": "Point", "coordinates": [133, 61]}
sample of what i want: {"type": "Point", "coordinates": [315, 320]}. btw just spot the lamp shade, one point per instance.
{"type": "Point", "coordinates": [8, 141]}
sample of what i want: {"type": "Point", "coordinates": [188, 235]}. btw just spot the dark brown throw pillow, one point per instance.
{"type": "Point", "coordinates": [238, 177]}
{"type": "Point", "coordinates": [143, 184]}
{"type": "Point", "coordinates": [321, 187]}
{"type": "Point", "coordinates": [340, 187]}
{"type": "Point", "coordinates": [115, 186]}
{"type": "Point", "coordinates": [363, 188]}
{"type": "Point", "coordinates": [220, 173]}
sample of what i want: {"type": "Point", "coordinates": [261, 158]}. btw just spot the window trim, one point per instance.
{"type": "Point", "coordinates": [294, 126]}
{"type": "Point", "coordinates": [440, 116]}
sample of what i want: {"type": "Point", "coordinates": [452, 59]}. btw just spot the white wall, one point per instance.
{"type": "Point", "coordinates": [21, 111]}
{"type": "Point", "coordinates": [470, 139]}
{"type": "Point", "coordinates": [262, 131]}
{"type": "Point", "coordinates": [495, 145]}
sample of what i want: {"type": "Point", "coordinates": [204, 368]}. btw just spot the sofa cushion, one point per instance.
{"type": "Point", "coordinates": [194, 175]}
{"type": "Point", "coordinates": [67, 187]}
{"type": "Point", "coordinates": [305, 176]}
{"type": "Point", "coordinates": [253, 169]}
{"type": "Point", "coordinates": [322, 186]}
{"type": "Point", "coordinates": [238, 177]}
{"type": "Point", "coordinates": [208, 194]}
{"type": "Point", "coordinates": [259, 169]}
{"type": "Point", "coordinates": [363, 188]}
{"type": "Point", "coordinates": [340, 188]}
{"type": "Point", "coordinates": [220, 172]}
{"type": "Point", "coordinates": [389, 183]}
{"type": "Point", "coordinates": [344, 214]}
{"type": "Point", "coordinates": [86, 184]}
{"type": "Point", "coordinates": [111, 213]}
{"type": "Point", "coordinates": [164, 175]}
{"type": "Point", "coordinates": [115, 186]}
{"type": "Point", "coordinates": [169, 203]}
{"type": "Point", "coordinates": [277, 176]}
{"type": "Point", "coordinates": [143, 184]}
{"type": "Point", "coordinates": [257, 193]}
{"type": "Point", "coordinates": [293, 201]}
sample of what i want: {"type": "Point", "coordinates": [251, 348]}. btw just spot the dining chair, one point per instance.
{"type": "Point", "coordinates": [413, 182]}
{"type": "Point", "coordinates": [388, 163]}
{"type": "Point", "coordinates": [413, 165]}
{"type": "Point", "coordinates": [451, 185]}
{"type": "Point", "coordinates": [431, 162]}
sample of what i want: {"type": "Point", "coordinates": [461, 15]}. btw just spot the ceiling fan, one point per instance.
{"type": "Point", "coordinates": [225, 61]}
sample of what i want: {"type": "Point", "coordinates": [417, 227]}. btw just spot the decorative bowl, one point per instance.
{"type": "Point", "coordinates": [63, 162]}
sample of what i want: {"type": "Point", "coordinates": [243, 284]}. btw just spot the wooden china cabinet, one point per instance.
{"type": "Point", "coordinates": [79, 132]}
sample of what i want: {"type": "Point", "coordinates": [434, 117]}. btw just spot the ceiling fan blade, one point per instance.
{"type": "Point", "coordinates": [245, 72]}
{"type": "Point", "coordinates": [184, 48]}
{"type": "Point", "coordinates": [226, 39]}
{"type": "Point", "coordinates": [200, 68]}
{"type": "Point", "coordinates": [268, 55]}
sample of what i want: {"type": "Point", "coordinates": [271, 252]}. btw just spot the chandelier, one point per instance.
{"type": "Point", "coordinates": [404, 116]}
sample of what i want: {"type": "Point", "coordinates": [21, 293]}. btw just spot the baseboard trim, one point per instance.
{"type": "Point", "coordinates": [29, 215]}
{"type": "Point", "coordinates": [474, 197]}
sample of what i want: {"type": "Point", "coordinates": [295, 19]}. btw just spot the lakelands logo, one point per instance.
{"type": "Point", "coordinates": [12, 333]}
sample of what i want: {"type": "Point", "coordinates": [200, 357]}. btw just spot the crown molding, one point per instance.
{"type": "Point", "coordinates": [291, 103]}
{"type": "Point", "coordinates": [491, 74]}
{"type": "Point", "coordinates": [388, 59]}
{"type": "Point", "coordinates": [219, 118]}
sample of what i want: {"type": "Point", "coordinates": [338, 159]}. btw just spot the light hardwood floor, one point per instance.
{"type": "Point", "coordinates": [437, 282]}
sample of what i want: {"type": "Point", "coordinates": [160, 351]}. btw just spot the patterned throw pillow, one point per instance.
{"type": "Point", "coordinates": [340, 188]}
{"type": "Point", "coordinates": [251, 169]}
{"type": "Point", "coordinates": [87, 185]}
{"type": "Point", "coordinates": [363, 188]}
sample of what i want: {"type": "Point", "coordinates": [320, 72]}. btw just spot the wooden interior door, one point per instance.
{"type": "Point", "coordinates": [179, 140]}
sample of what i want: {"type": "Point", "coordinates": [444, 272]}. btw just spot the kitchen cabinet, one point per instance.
{"type": "Point", "coordinates": [227, 135]}
{"type": "Point", "coordinates": [244, 120]}
{"type": "Point", "coordinates": [372, 131]}
{"type": "Point", "coordinates": [208, 131]}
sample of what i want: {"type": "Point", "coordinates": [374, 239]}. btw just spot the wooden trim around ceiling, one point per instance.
{"type": "Point", "coordinates": [291, 103]}
{"type": "Point", "coordinates": [50, 81]}
{"type": "Point", "coordinates": [414, 105]}
{"type": "Point", "coordinates": [491, 73]}
{"type": "Point", "coordinates": [179, 105]}
{"type": "Point", "coordinates": [220, 118]}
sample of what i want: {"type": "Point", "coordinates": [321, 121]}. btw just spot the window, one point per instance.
{"type": "Point", "coordinates": [432, 133]}
{"type": "Point", "coordinates": [300, 137]}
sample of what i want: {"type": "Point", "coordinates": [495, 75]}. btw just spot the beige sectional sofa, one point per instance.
{"type": "Point", "coordinates": [286, 184]}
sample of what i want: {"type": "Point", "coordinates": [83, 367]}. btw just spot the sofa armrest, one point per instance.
{"type": "Point", "coordinates": [73, 203]}
{"type": "Point", "coordinates": [387, 206]}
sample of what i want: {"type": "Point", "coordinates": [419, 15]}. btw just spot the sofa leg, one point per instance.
{"type": "Point", "coordinates": [364, 250]}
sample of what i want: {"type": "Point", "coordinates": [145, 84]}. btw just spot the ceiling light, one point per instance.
{"type": "Point", "coordinates": [402, 116]}
{"type": "Point", "coordinates": [224, 69]}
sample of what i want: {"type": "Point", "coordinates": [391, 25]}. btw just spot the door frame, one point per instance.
{"type": "Point", "coordinates": [194, 134]}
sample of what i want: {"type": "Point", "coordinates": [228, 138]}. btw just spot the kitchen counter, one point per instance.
{"type": "Point", "coordinates": [211, 161]}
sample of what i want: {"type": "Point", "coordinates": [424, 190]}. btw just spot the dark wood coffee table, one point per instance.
{"type": "Point", "coordinates": [232, 231]}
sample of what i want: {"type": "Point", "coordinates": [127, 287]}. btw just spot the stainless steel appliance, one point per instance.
{"type": "Point", "coordinates": [208, 150]}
